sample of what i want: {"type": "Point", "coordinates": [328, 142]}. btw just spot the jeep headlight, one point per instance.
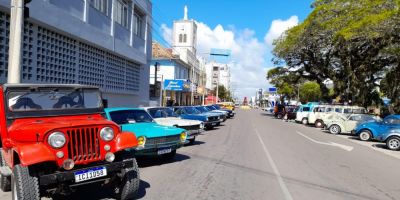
{"type": "Point", "coordinates": [183, 136]}
{"type": "Point", "coordinates": [57, 140]}
{"type": "Point", "coordinates": [107, 134]}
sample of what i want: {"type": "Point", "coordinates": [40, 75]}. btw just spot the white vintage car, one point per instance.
{"type": "Point", "coordinates": [165, 116]}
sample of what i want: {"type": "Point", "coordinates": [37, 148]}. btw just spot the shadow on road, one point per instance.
{"type": "Point", "coordinates": [381, 146]}
{"type": "Point", "coordinates": [196, 143]}
{"type": "Point", "coordinates": [148, 161]}
{"type": "Point", "coordinates": [91, 192]}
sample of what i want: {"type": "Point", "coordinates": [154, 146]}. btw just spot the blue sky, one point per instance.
{"type": "Point", "coordinates": [250, 27]}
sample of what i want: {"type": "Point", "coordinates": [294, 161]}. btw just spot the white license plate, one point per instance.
{"type": "Point", "coordinates": [164, 151]}
{"type": "Point", "coordinates": [88, 174]}
{"type": "Point", "coordinates": [213, 124]}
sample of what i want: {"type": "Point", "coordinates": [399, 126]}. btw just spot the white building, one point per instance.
{"type": "Point", "coordinates": [218, 74]}
{"type": "Point", "coordinates": [104, 43]}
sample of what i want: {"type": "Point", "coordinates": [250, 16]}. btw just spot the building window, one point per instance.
{"type": "Point", "coordinates": [100, 5]}
{"type": "Point", "coordinates": [184, 38]}
{"type": "Point", "coordinates": [121, 13]}
{"type": "Point", "coordinates": [180, 38]}
{"type": "Point", "coordinates": [138, 23]}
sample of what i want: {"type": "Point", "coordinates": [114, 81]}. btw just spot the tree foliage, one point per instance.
{"type": "Point", "coordinates": [310, 92]}
{"type": "Point", "coordinates": [354, 43]}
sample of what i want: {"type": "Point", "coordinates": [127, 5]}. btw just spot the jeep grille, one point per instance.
{"type": "Point", "coordinates": [84, 144]}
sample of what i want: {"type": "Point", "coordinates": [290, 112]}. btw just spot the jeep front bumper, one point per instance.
{"type": "Point", "coordinates": [68, 177]}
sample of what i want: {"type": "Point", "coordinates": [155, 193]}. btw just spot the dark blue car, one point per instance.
{"type": "Point", "coordinates": [373, 130]}
{"type": "Point", "coordinates": [189, 112]}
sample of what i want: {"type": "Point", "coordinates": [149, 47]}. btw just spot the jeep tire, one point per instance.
{"type": "Point", "coordinates": [5, 182]}
{"type": "Point", "coordinates": [130, 181]}
{"type": "Point", "coordinates": [304, 121]}
{"type": "Point", "coordinates": [24, 185]}
{"type": "Point", "coordinates": [319, 124]}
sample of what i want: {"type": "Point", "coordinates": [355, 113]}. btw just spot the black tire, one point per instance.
{"type": "Point", "coordinates": [5, 182]}
{"type": "Point", "coordinates": [319, 124]}
{"type": "Point", "coordinates": [219, 123]}
{"type": "Point", "coordinates": [365, 135]}
{"type": "Point", "coordinates": [170, 156]}
{"type": "Point", "coordinates": [130, 182]}
{"type": "Point", "coordinates": [393, 143]}
{"type": "Point", "coordinates": [24, 185]}
{"type": "Point", "coordinates": [191, 141]}
{"type": "Point", "coordinates": [279, 116]}
{"type": "Point", "coordinates": [335, 129]}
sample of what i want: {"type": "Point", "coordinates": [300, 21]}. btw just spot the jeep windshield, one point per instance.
{"type": "Point", "coordinates": [52, 101]}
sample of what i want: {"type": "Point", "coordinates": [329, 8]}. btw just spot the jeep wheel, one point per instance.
{"type": "Point", "coordinates": [24, 185]}
{"type": "Point", "coordinates": [393, 143]}
{"type": "Point", "coordinates": [170, 156]}
{"type": "Point", "coordinates": [304, 121]}
{"type": "Point", "coordinates": [365, 135]}
{"type": "Point", "coordinates": [5, 182]}
{"type": "Point", "coordinates": [335, 129]}
{"type": "Point", "coordinates": [130, 182]}
{"type": "Point", "coordinates": [191, 141]}
{"type": "Point", "coordinates": [318, 124]}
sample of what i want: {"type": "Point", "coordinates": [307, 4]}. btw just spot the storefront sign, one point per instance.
{"type": "Point", "coordinates": [177, 85]}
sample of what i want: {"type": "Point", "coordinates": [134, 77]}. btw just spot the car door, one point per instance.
{"type": "Point", "coordinates": [351, 122]}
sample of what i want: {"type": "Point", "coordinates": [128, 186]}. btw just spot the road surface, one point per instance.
{"type": "Point", "coordinates": [255, 156]}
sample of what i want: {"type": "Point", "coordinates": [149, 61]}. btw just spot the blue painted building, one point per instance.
{"type": "Point", "coordinates": [106, 43]}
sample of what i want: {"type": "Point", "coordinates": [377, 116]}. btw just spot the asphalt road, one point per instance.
{"type": "Point", "coordinates": [257, 157]}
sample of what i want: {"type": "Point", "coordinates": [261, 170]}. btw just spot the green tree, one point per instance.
{"type": "Point", "coordinates": [354, 43]}
{"type": "Point", "coordinates": [310, 92]}
{"type": "Point", "coordinates": [223, 93]}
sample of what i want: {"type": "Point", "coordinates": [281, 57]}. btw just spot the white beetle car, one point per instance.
{"type": "Point", "coordinates": [165, 116]}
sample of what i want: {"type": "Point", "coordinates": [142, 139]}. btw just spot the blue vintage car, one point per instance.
{"type": "Point", "coordinates": [373, 130]}
{"type": "Point", "coordinates": [210, 120]}
{"type": "Point", "coordinates": [391, 138]}
{"type": "Point", "coordinates": [153, 139]}
{"type": "Point", "coordinates": [222, 114]}
{"type": "Point", "coordinates": [230, 113]}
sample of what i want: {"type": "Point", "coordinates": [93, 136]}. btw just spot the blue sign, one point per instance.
{"type": "Point", "coordinates": [177, 85]}
{"type": "Point", "coordinates": [272, 90]}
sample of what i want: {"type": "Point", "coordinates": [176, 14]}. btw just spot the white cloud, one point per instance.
{"type": "Point", "coordinates": [278, 27]}
{"type": "Point", "coordinates": [166, 33]}
{"type": "Point", "coordinates": [249, 54]}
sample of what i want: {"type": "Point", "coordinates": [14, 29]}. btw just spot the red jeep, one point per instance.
{"type": "Point", "coordinates": [54, 137]}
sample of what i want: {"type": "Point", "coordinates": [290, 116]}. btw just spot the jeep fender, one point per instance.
{"type": "Point", "coordinates": [30, 154]}
{"type": "Point", "coordinates": [125, 140]}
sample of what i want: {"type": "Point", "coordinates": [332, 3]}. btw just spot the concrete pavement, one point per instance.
{"type": "Point", "coordinates": [257, 157]}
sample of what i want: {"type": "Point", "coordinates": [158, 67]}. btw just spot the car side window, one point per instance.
{"type": "Point", "coordinates": [306, 109]}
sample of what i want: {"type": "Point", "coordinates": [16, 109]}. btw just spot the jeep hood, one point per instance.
{"type": "Point", "coordinates": [151, 129]}
{"type": "Point", "coordinates": [35, 129]}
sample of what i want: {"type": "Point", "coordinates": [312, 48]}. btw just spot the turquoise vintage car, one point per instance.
{"type": "Point", "coordinates": [153, 139]}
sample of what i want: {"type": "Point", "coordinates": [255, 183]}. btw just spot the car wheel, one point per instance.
{"type": "Point", "coordinates": [24, 186]}
{"type": "Point", "coordinates": [304, 121]}
{"type": "Point", "coordinates": [170, 156]}
{"type": "Point", "coordinates": [318, 124]}
{"type": "Point", "coordinates": [335, 129]}
{"type": "Point", "coordinates": [393, 143]}
{"type": "Point", "coordinates": [219, 123]}
{"type": "Point", "coordinates": [191, 141]}
{"type": "Point", "coordinates": [130, 181]}
{"type": "Point", "coordinates": [365, 135]}
{"type": "Point", "coordinates": [5, 182]}
{"type": "Point", "coordinates": [279, 116]}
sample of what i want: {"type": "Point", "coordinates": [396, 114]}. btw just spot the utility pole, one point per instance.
{"type": "Point", "coordinates": [14, 52]}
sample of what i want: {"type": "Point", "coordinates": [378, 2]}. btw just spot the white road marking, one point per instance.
{"type": "Point", "coordinates": [344, 147]}
{"type": "Point", "coordinates": [282, 184]}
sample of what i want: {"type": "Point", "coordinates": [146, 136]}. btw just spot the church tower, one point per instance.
{"type": "Point", "coordinates": [185, 34]}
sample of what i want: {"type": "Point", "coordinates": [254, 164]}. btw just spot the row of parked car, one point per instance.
{"type": "Point", "coordinates": [56, 137]}
{"type": "Point", "coordinates": [339, 119]}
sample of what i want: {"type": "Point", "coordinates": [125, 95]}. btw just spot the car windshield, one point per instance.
{"type": "Point", "coordinates": [216, 107]}
{"type": "Point", "coordinates": [130, 116]}
{"type": "Point", "coordinates": [162, 112]}
{"type": "Point", "coordinates": [211, 107]}
{"type": "Point", "coordinates": [53, 99]}
{"type": "Point", "coordinates": [191, 110]}
{"type": "Point", "coordinates": [202, 109]}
